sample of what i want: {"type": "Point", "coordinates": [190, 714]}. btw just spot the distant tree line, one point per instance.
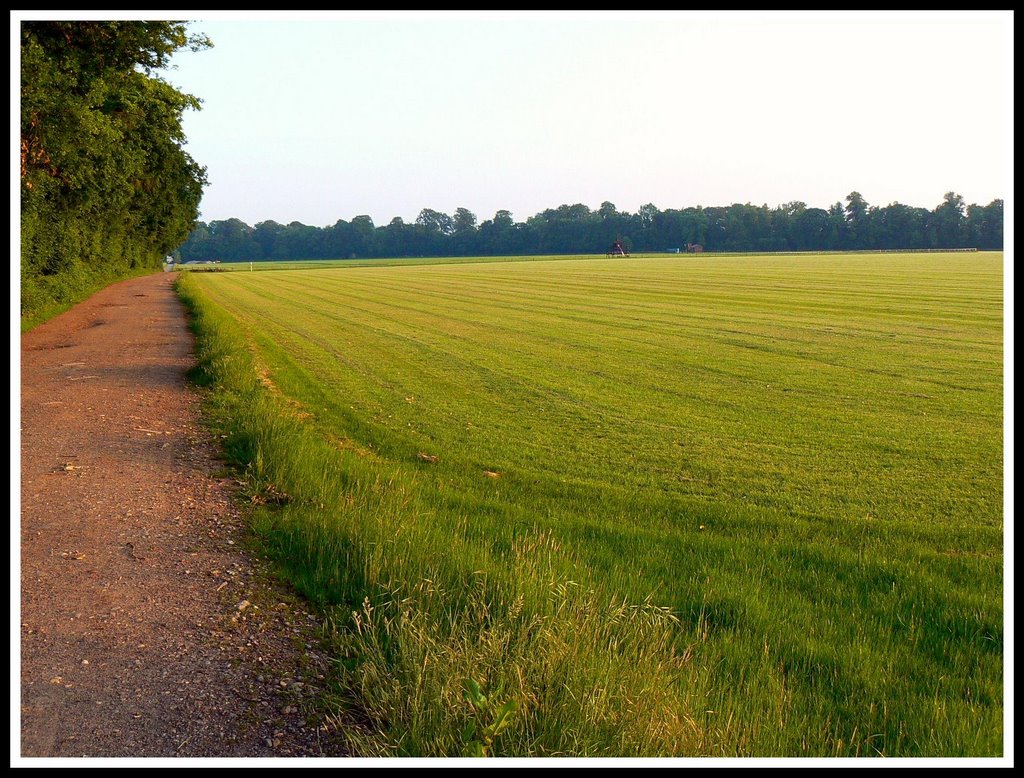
{"type": "Point", "coordinates": [106, 188]}
{"type": "Point", "coordinates": [576, 229]}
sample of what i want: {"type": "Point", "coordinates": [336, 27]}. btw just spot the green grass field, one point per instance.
{"type": "Point", "coordinates": [715, 506]}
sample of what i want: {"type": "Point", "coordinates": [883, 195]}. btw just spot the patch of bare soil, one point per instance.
{"type": "Point", "coordinates": [146, 628]}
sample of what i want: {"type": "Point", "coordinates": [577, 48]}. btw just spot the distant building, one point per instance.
{"type": "Point", "coordinates": [618, 249]}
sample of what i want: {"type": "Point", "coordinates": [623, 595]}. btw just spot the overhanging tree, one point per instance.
{"type": "Point", "coordinates": [106, 186]}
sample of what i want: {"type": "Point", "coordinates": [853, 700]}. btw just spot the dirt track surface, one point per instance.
{"type": "Point", "coordinates": [132, 563]}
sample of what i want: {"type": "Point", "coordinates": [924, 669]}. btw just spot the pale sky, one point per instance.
{"type": "Point", "coordinates": [320, 117]}
{"type": "Point", "coordinates": [315, 117]}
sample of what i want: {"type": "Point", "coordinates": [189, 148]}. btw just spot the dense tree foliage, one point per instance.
{"type": "Point", "coordinates": [576, 229]}
{"type": "Point", "coordinates": [106, 187]}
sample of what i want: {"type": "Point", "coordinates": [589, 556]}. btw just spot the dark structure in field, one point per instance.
{"type": "Point", "coordinates": [618, 250]}
{"type": "Point", "coordinates": [694, 248]}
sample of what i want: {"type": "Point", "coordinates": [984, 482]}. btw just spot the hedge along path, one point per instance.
{"type": "Point", "coordinates": [146, 629]}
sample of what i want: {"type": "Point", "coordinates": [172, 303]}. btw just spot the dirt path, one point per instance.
{"type": "Point", "coordinates": [132, 568]}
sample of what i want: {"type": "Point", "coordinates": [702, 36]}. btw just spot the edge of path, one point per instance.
{"type": "Point", "coordinates": [147, 627]}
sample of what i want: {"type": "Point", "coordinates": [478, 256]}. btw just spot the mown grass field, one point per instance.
{"type": "Point", "coordinates": [733, 506]}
